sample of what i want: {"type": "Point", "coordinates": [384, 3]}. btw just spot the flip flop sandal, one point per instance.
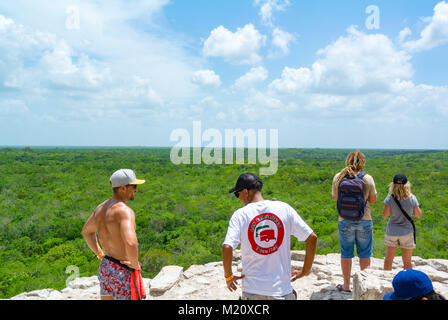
{"type": "Point", "coordinates": [341, 289]}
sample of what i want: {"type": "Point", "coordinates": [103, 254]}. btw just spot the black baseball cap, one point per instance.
{"type": "Point", "coordinates": [247, 181]}
{"type": "Point", "coordinates": [400, 179]}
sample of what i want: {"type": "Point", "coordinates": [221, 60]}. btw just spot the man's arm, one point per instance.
{"type": "Point", "coordinates": [334, 193]}
{"type": "Point", "coordinates": [129, 237]}
{"type": "Point", "coordinates": [372, 193]}
{"type": "Point", "coordinates": [334, 189]}
{"type": "Point", "coordinates": [227, 256]}
{"type": "Point", "coordinates": [310, 252]}
{"type": "Point", "coordinates": [89, 234]}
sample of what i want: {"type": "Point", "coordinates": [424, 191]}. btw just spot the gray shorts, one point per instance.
{"type": "Point", "coordinates": [252, 296]}
{"type": "Point", "coordinates": [405, 242]}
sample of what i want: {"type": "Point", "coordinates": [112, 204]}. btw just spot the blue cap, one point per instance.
{"type": "Point", "coordinates": [409, 284]}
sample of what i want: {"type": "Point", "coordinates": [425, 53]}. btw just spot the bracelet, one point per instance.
{"type": "Point", "coordinates": [229, 278]}
{"type": "Point", "coordinates": [100, 255]}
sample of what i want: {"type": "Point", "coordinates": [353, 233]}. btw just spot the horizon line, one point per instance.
{"type": "Point", "coordinates": [169, 147]}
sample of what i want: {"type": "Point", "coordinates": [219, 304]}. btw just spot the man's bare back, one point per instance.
{"type": "Point", "coordinates": [110, 217]}
{"type": "Point", "coordinates": [114, 222]}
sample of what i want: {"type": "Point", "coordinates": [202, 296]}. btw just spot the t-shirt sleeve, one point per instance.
{"type": "Point", "coordinates": [414, 201]}
{"type": "Point", "coordinates": [371, 184]}
{"type": "Point", "coordinates": [388, 200]}
{"type": "Point", "coordinates": [233, 236]}
{"type": "Point", "coordinates": [299, 228]}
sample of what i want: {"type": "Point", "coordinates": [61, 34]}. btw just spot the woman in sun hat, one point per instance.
{"type": "Point", "coordinates": [401, 206]}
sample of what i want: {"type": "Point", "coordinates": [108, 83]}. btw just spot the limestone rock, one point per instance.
{"type": "Point", "coordinates": [372, 284]}
{"type": "Point", "coordinates": [165, 280]}
{"type": "Point", "coordinates": [297, 255]}
{"type": "Point", "coordinates": [206, 282]}
{"type": "Point", "coordinates": [45, 294]}
{"type": "Point", "coordinates": [84, 283]}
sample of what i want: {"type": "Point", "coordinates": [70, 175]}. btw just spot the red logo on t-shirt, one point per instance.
{"type": "Point", "coordinates": [266, 233]}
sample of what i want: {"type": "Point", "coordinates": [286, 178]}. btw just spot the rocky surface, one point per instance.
{"type": "Point", "coordinates": [206, 282]}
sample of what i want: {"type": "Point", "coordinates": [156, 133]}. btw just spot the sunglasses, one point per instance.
{"type": "Point", "coordinates": [237, 193]}
{"type": "Point", "coordinates": [132, 185]}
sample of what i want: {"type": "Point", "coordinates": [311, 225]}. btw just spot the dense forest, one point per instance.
{"type": "Point", "coordinates": [182, 211]}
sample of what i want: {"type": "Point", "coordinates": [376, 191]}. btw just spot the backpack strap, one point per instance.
{"type": "Point", "coordinates": [406, 215]}
{"type": "Point", "coordinates": [360, 176]}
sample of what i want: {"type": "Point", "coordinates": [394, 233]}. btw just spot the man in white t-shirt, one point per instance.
{"type": "Point", "coordinates": [264, 227]}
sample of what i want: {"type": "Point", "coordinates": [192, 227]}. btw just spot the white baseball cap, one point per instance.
{"type": "Point", "coordinates": [124, 177]}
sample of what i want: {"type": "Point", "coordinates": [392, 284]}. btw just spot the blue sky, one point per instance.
{"type": "Point", "coordinates": [128, 72]}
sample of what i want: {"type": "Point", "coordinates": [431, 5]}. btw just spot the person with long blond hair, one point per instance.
{"type": "Point", "coordinates": [358, 232]}
{"type": "Point", "coordinates": [400, 231]}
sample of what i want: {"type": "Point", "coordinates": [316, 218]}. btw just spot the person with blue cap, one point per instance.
{"type": "Point", "coordinates": [412, 284]}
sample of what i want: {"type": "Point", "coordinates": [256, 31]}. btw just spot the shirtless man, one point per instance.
{"type": "Point", "coordinates": [114, 222]}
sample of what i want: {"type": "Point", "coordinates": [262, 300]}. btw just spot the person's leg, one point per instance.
{"type": "Point", "coordinates": [406, 255]}
{"type": "Point", "coordinates": [389, 259]}
{"type": "Point", "coordinates": [364, 242]}
{"type": "Point", "coordinates": [407, 245]}
{"type": "Point", "coordinates": [346, 266]}
{"type": "Point", "coordinates": [364, 263]}
{"type": "Point", "coordinates": [391, 243]}
{"type": "Point", "coordinates": [347, 242]}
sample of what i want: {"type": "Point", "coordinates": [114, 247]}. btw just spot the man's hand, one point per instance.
{"type": "Point", "coordinates": [231, 284]}
{"type": "Point", "coordinates": [310, 251]}
{"type": "Point", "coordinates": [296, 274]}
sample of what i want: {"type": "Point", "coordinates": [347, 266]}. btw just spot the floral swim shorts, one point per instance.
{"type": "Point", "coordinates": [114, 279]}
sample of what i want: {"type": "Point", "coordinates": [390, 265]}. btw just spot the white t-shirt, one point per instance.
{"type": "Point", "coordinates": [264, 229]}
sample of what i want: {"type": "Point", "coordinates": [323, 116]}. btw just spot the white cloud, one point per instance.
{"type": "Point", "coordinates": [282, 40]}
{"type": "Point", "coordinates": [265, 109]}
{"type": "Point", "coordinates": [268, 7]}
{"type": "Point", "coordinates": [209, 102]}
{"type": "Point", "coordinates": [13, 108]}
{"type": "Point", "coordinates": [63, 71]}
{"type": "Point", "coordinates": [4, 22]}
{"type": "Point", "coordinates": [362, 75]}
{"type": "Point", "coordinates": [204, 104]}
{"type": "Point", "coordinates": [293, 81]}
{"type": "Point", "coordinates": [36, 58]}
{"type": "Point", "coordinates": [355, 63]}
{"type": "Point", "coordinates": [107, 65]}
{"type": "Point", "coordinates": [206, 78]}
{"type": "Point", "coordinates": [431, 101]}
{"type": "Point", "coordinates": [240, 47]}
{"type": "Point", "coordinates": [435, 33]}
{"type": "Point", "coordinates": [253, 76]}
{"type": "Point", "coordinates": [406, 32]}
{"type": "Point", "coordinates": [140, 92]}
